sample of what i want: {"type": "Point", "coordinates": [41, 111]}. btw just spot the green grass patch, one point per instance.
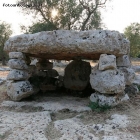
{"type": "Point", "coordinates": [96, 107]}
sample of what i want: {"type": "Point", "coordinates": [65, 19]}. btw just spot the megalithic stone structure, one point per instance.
{"type": "Point", "coordinates": [111, 48]}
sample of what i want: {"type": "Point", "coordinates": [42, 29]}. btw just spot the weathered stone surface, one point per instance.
{"type": "Point", "coordinates": [18, 75]}
{"type": "Point", "coordinates": [107, 100]}
{"type": "Point", "coordinates": [76, 75]}
{"type": "Point", "coordinates": [131, 90]}
{"type": "Point", "coordinates": [52, 73]}
{"type": "Point", "coordinates": [67, 45]}
{"type": "Point", "coordinates": [123, 61]}
{"type": "Point", "coordinates": [19, 90]}
{"type": "Point", "coordinates": [107, 82]}
{"type": "Point", "coordinates": [17, 64]}
{"type": "Point", "coordinates": [129, 75]}
{"type": "Point", "coordinates": [16, 55]}
{"type": "Point", "coordinates": [44, 66]}
{"type": "Point", "coordinates": [107, 62]}
{"type": "Point", "coordinates": [136, 68]}
{"type": "Point", "coordinates": [137, 80]}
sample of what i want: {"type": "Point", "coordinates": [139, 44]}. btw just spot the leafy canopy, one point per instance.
{"type": "Point", "coordinates": [72, 14]}
{"type": "Point", "coordinates": [5, 32]}
{"type": "Point", "coordinates": [132, 32]}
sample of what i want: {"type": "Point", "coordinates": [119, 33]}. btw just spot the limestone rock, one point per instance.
{"type": "Point", "coordinates": [19, 90]}
{"type": "Point", "coordinates": [107, 100]}
{"type": "Point", "coordinates": [123, 61]}
{"type": "Point", "coordinates": [16, 55]}
{"type": "Point", "coordinates": [18, 75]}
{"type": "Point", "coordinates": [17, 64]}
{"type": "Point", "coordinates": [68, 45]}
{"type": "Point", "coordinates": [107, 62]}
{"type": "Point", "coordinates": [76, 75]}
{"type": "Point", "coordinates": [137, 80]}
{"type": "Point", "coordinates": [136, 68]}
{"type": "Point", "coordinates": [44, 66]}
{"type": "Point", "coordinates": [129, 75]}
{"type": "Point", "coordinates": [107, 82]}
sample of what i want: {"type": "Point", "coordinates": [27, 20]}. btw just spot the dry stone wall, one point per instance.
{"type": "Point", "coordinates": [110, 77]}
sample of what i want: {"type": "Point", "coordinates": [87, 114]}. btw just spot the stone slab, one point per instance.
{"type": "Point", "coordinates": [68, 45]}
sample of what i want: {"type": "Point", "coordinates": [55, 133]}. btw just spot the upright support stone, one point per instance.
{"type": "Point", "coordinates": [76, 75]}
{"type": "Point", "coordinates": [17, 85]}
{"type": "Point", "coordinates": [107, 82]}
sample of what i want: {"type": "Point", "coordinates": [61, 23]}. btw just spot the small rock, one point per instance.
{"type": "Point", "coordinates": [137, 80]}
{"type": "Point", "coordinates": [19, 90]}
{"type": "Point", "coordinates": [16, 55]}
{"type": "Point", "coordinates": [77, 75]}
{"type": "Point", "coordinates": [107, 82]}
{"type": "Point", "coordinates": [123, 61]}
{"type": "Point", "coordinates": [129, 75]}
{"type": "Point", "coordinates": [17, 64]}
{"type": "Point", "coordinates": [136, 68]}
{"type": "Point", "coordinates": [107, 100]}
{"type": "Point", "coordinates": [18, 75]}
{"type": "Point", "coordinates": [107, 62]}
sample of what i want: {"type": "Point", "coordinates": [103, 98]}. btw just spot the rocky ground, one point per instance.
{"type": "Point", "coordinates": [56, 117]}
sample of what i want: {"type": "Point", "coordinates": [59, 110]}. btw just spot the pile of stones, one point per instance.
{"type": "Point", "coordinates": [18, 86]}
{"type": "Point", "coordinates": [109, 78]}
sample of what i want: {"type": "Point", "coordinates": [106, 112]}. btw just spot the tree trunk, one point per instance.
{"type": "Point", "coordinates": [3, 61]}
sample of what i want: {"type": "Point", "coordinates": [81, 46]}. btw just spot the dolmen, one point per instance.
{"type": "Point", "coordinates": [108, 78]}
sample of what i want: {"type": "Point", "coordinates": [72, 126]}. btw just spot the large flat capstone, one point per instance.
{"type": "Point", "coordinates": [68, 45]}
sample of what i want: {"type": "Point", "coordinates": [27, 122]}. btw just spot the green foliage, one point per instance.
{"type": "Point", "coordinates": [72, 14]}
{"type": "Point", "coordinates": [38, 27]}
{"type": "Point", "coordinates": [96, 107]}
{"type": "Point", "coordinates": [132, 32]}
{"type": "Point", "coordinates": [5, 32]}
